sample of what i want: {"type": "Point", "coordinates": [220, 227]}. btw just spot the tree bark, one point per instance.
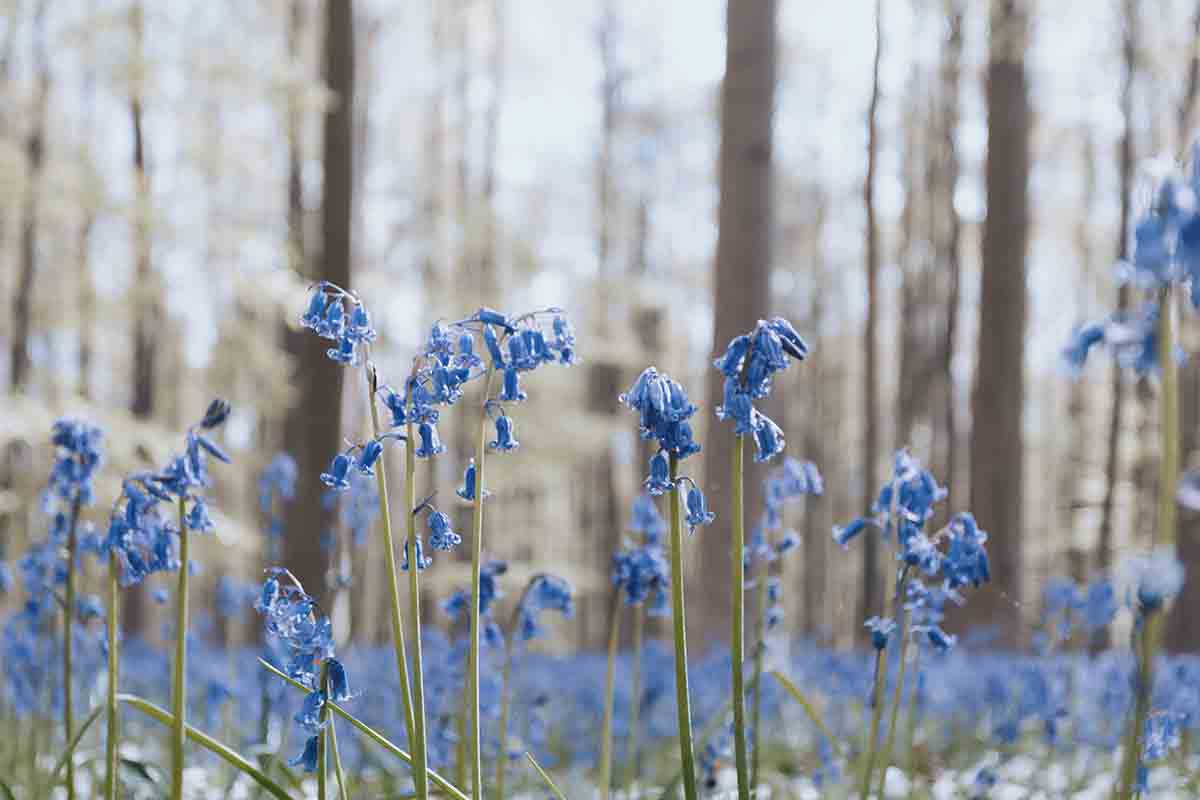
{"type": "Point", "coordinates": [741, 286]}
{"type": "Point", "coordinates": [870, 591]}
{"type": "Point", "coordinates": [997, 443]}
{"type": "Point", "coordinates": [315, 421]}
{"type": "Point", "coordinates": [35, 146]}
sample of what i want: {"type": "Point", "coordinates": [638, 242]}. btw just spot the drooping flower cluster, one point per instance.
{"type": "Point", "coordinates": [78, 455]}
{"type": "Point", "coordinates": [904, 505]}
{"type": "Point", "coordinates": [293, 619]}
{"type": "Point", "coordinates": [664, 410]}
{"type": "Point", "coordinates": [1067, 606]}
{"type": "Point", "coordinates": [788, 483]}
{"type": "Point", "coordinates": [1152, 579]}
{"type": "Point", "coordinates": [748, 365]}
{"type": "Point", "coordinates": [142, 536]}
{"type": "Point", "coordinates": [545, 592]}
{"type": "Point", "coordinates": [458, 605]}
{"type": "Point", "coordinates": [639, 568]}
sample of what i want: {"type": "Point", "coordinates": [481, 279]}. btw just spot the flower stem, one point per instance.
{"type": "Point", "coordinates": [420, 757]}
{"type": "Point", "coordinates": [760, 651]}
{"type": "Point", "coordinates": [545, 777]}
{"type": "Point", "coordinates": [476, 565]}
{"type": "Point", "coordinates": [1168, 422]}
{"type": "Point", "coordinates": [114, 661]}
{"type": "Point", "coordinates": [738, 621]}
{"type": "Point", "coordinates": [68, 643]}
{"type": "Point", "coordinates": [894, 713]}
{"type": "Point", "coordinates": [635, 698]}
{"type": "Point", "coordinates": [322, 766]}
{"type": "Point", "coordinates": [389, 548]}
{"type": "Point", "coordinates": [614, 641]}
{"type": "Point", "coordinates": [505, 706]}
{"type": "Point", "coordinates": [873, 731]}
{"type": "Point", "coordinates": [683, 703]}
{"type": "Point", "coordinates": [1144, 645]}
{"type": "Point", "coordinates": [179, 675]}
{"type": "Point", "coordinates": [343, 793]}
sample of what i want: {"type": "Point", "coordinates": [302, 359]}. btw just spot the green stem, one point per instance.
{"type": "Point", "coordinates": [505, 707]}
{"type": "Point", "coordinates": [1169, 421]}
{"type": "Point", "coordinates": [683, 703]}
{"type": "Point", "coordinates": [894, 713]}
{"type": "Point", "coordinates": [809, 709]}
{"type": "Point", "coordinates": [68, 643]}
{"type": "Point", "coordinates": [760, 650]}
{"type": "Point", "coordinates": [343, 793]}
{"type": "Point", "coordinates": [635, 701]}
{"type": "Point", "coordinates": [738, 621]}
{"type": "Point", "coordinates": [179, 676]}
{"type": "Point", "coordinates": [873, 731]}
{"type": "Point", "coordinates": [389, 548]}
{"type": "Point", "coordinates": [73, 743]}
{"type": "Point", "coordinates": [420, 757]}
{"type": "Point", "coordinates": [1146, 643]}
{"type": "Point", "coordinates": [369, 732]}
{"type": "Point", "coordinates": [476, 565]}
{"type": "Point", "coordinates": [208, 743]}
{"type": "Point", "coordinates": [614, 642]}
{"type": "Point", "coordinates": [114, 660]}
{"type": "Point", "coordinates": [322, 765]}
{"type": "Point", "coordinates": [912, 713]}
{"type": "Point", "coordinates": [545, 777]}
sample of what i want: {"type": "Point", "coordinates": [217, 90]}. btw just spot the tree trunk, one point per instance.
{"type": "Point", "coordinates": [315, 421]}
{"type": "Point", "coordinates": [997, 445]}
{"type": "Point", "coordinates": [951, 70]}
{"type": "Point", "coordinates": [35, 145]}
{"type": "Point", "coordinates": [741, 288]}
{"type": "Point", "coordinates": [869, 599]}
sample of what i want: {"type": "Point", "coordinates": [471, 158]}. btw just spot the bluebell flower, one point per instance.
{"type": "Point", "coordinates": [309, 715]}
{"type": "Point", "coordinates": [1162, 735]}
{"type": "Point", "coordinates": [697, 509]}
{"type": "Point", "coordinates": [564, 341]}
{"type": "Point", "coordinates": [490, 317]}
{"type": "Point", "coordinates": [941, 641]}
{"type": "Point", "coordinates": [511, 391]}
{"type": "Point", "coordinates": [504, 440]}
{"type": "Point", "coordinates": [1099, 605]}
{"type": "Point", "coordinates": [339, 684]}
{"type": "Point", "coordinates": [646, 519]}
{"type": "Point", "coordinates": [664, 409]}
{"type": "Point", "coordinates": [197, 518]}
{"type": "Point", "coordinates": [544, 593]}
{"type": "Point", "coordinates": [441, 536]}
{"type": "Point", "coordinates": [430, 444]}
{"type": "Point", "coordinates": [466, 357]}
{"type": "Point", "coordinates": [768, 439]}
{"type": "Point", "coordinates": [345, 353]}
{"type": "Point", "coordinates": [1154, 578]}
{"type": "Point", "coordinates": [307, 758]}
{"type": "Point", "coordinates": [881, 629]}
{"type": "Point", "coordinates": [467, 490]}
{"type": "Point", "coordinates": [641, 573]}
{"type": "Point", "coordinates": [966, 559]}
{"type": "Point", "coordinates": [314, 316]}
{"type": "Point", "coordinates": [339, 468]}
{"type": "Point", "coordinates": [359, 329]}
{"type": "Point", "coordinates": [493, 346]}
{"type": "Point", "coordinates": [371, 451]}
{"type": "Point", "coordinates": [423, 561]}
{"type": "Point", "coordinates": [843, 534]}
{"type": "Point", "coordinates": [659, 480]}
{"type": "Point", "coordinates": [396, 405]}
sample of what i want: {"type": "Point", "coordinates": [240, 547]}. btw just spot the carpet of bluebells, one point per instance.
{"type": "Point", "coordinates": [466, 708]}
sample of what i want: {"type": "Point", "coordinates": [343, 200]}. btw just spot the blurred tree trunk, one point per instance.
{"type": "Point", "coordinates": [35, 146]}
{"type": "Point", "coordinates": [85, 286]}
{"type": "Point", "coordinates": [818, 520]}
{"type": "Point", "coordinates": [314, 423]}
{"type": "Point", "coordinates": [869, 599]}
{"type": "Point", "coordinates": [486, 278]}
{"type": "Point", "coordinates": [1116, 418]}
{"type": "Point", "coordinates": [147, 302]}
{"type": "Point", "coordinates": [997, 443]}
{"type": "Point", "coordinates": [1183, 630]}
{"type": "Point", "coordinates": [948, 249]}
{"type": "Point", "coordinates": [741, 285]}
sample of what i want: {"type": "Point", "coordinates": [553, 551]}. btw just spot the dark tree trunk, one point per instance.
{"type": "Point", "coordinates": [951, 70]}
{"type": "Point", "coordinates": [871, 590]}
{"type": "Point", "coordinates": [315, 422]}
{"type": "Point", "coordinates": [997, 444]}
{"type": "Point", "coordinates": [35, 146]}
{"type": "Point", "coordinates": [741, 285]}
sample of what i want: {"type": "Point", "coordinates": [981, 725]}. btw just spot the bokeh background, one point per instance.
{"type": "Point", "coordinates": [934, 191]}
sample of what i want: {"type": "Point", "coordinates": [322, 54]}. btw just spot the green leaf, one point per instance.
{"type": "Point", "coordinates": [809, 709]}
{"type": "Point", "coordinates": [75, 740]}
{"type": "Point", "coordinates": [6, 791]}
{"type": "Point", "coordinates": [549, 782]}
{"type": "Point", "coordinates": [140, 768]}
{"type": "Point", "coordinates": [204, 740]}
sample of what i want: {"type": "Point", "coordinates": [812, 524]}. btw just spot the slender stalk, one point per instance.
{"type": "Point", "coordinates": [809, 709]}
{"type": "Point", "coordinates": [114, 661]}
{"type": "Point", "coordinates": [420, 757]}
{"type": "Point", "coordinates": [760, 650]}
{"type": "Point", "coordinates": [683, 703]}
{"type": "Point", "coordinates": [73, 743]}
{"type": "Point", "coordinates": [505, 707]}
{"type": "Point", "coordinates": [635, 700]}
{"type": "Point", "coordinates": [68, 643]}
{"type": "Point", "coordinates": [897, 696]}
{"type": "Point", "coordinates": [738, 621]}
{"type": "Point", "coordinates": [389, 548]}
{"type": "Point", "coordinates": [545, 776]}
{"type": "Point", "coordinates": [912, 712]}
{"type": "Point", "coordinates": [873, 732]}
{"type": "Point", "coordinates": [368, 731]}
{"type": "Point", "coordinates": [207, 742]}
{"type": "Point", "coordinates": [614, 642]}
{"type": "Point", "coordinates": [476, 565]}
{"type": "Point", "coordinates": [322, 765]}
{"type": "Point", "coordinates": [179, 676]}
{"type": "Point", "coordinates": [343, 793]}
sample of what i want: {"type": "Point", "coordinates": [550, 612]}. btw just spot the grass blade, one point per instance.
{"type": "Point", "coordinates": [549, 782]}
